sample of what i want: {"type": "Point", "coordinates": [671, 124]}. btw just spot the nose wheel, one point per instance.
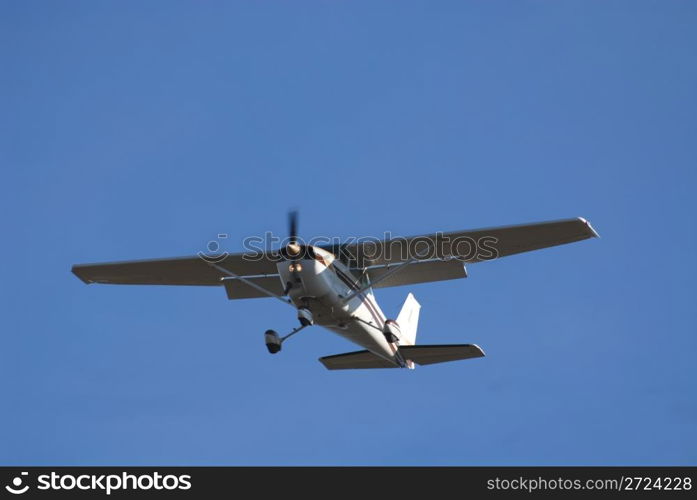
{"type": "Point", "coordinates": [274, 341]}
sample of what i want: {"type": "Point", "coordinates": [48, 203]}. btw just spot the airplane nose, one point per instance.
{"type": "Point", "coordinates": [293, 249]}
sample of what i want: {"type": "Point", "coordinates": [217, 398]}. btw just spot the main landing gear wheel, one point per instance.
{"type": "Point", "coordinates": [305, 316]}
{"type": "Point", "coordinates": [273, 341]}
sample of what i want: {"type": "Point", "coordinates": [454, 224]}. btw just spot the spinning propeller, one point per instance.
{"type": "Point", "coordinates": [293, 250]}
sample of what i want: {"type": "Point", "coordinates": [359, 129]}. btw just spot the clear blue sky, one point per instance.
{"type": "Point", "coordinates": [136, 130]}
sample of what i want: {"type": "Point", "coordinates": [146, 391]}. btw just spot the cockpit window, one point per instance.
{"type": "Point", "coordinates": [323, 256]}
{"type": "Point", "coordinates": [364, 279]}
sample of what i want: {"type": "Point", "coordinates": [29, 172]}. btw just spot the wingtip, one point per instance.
{"type": "Point", "coordinates": [480, 349]}
{"type": "Point", "coordinates": [594, 233]}
{"type": "Point", "coordinates": [74, 269]}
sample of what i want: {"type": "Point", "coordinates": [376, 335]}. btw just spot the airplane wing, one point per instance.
{"type": "Point", "coordinates": [434, 257]}
{"type": "Point", "coordinates": [355, 360]}
{"type": "Point", "coordinates": [469, 246]}
{"type": "Point", "coordinates": [181, 271]}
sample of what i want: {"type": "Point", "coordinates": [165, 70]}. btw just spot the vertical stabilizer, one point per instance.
{"type": "Point", "coordinates": [408, 320]}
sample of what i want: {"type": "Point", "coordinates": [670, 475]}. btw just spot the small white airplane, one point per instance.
{"type": "Point", "coordinates": [332, 285]}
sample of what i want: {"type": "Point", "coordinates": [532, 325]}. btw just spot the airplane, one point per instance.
{"type": "Point", "coordinates": [332, 285]}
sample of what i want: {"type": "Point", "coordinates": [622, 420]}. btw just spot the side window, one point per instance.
{"type": "Point", "coordinates": [364, 279]}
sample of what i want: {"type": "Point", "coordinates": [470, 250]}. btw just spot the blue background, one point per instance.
{"type": "Point", "coordinates": [139, 130]}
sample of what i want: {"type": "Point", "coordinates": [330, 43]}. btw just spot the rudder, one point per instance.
{"type": "Point", "coordinates": [408, 320]}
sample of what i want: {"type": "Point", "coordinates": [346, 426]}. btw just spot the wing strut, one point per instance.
{"type": "Point", "coordinates": [233, 276]}
{"type": "Point", "coordinates": [381, 278]}
{"type": "Point", "coordinates": [388, 274]}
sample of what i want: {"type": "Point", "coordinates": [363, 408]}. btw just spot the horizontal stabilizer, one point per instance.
{"type": "Point", "coordinates": [356, 359]}
{"type": "Point", "coordinates": [419, 354]}
{"type": "Point", "coordinates": [429, 354]}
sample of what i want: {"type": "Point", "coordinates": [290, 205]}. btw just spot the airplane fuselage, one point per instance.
{"type": "Point", "coordinates": [322, 285]}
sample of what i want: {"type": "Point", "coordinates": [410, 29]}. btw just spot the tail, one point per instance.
{"type": "Point", "coordinates": [408, 320]}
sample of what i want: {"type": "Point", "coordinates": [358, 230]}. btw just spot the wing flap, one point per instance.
{"type": "Point", "coordinates": [237, 289]}
{"type": "Point", "coordinates": [418, 272]}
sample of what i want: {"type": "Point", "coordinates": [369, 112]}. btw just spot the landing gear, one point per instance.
{"type": "Point", "coordinates": [273, 341]}
{"type": "Point", "coordinates": [305, 316]}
